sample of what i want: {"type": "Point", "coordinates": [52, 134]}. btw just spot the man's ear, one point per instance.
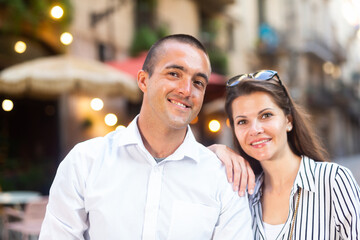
{"type": "Point", "coordinates": [142, 80]}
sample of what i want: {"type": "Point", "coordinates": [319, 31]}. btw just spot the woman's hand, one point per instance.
{"type": "Point", "coordinates": [238, 170]}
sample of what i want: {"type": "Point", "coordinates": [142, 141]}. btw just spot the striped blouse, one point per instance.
{"type": "Point", "coordinates": [329, 206]}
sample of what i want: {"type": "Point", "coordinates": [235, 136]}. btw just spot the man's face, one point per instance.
{"type": "Point", "coordinates": [174, 93]}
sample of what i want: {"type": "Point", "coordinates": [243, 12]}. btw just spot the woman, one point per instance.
{"type": "Point", "coordinates": [298, 195]}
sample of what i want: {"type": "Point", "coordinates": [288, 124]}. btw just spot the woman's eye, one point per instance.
{"type": "Point", "coordinates": [241, 122]}
{"type": "Point", "coordinates": [266, 115]}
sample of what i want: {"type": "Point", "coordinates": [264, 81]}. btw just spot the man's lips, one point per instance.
{"type": "Point", "coordinates": [181, 104]}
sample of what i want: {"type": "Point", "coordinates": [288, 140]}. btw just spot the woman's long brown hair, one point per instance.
{"type": "Point", "coordinates": [302, 139]}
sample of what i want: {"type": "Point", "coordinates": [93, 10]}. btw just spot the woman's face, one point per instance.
{"type": "Point", "coordinates": [260, 126]}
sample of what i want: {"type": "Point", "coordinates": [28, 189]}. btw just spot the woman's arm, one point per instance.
{"type": "Point", "coordinates": [346, 202]}
{"type": "Point", "coordinates": [238, 170]}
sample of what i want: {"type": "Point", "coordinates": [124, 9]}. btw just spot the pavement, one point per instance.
{"type": "Point", "coordinates": [352, 163]}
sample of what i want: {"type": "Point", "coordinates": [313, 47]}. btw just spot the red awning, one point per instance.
{"type": "Point", "coordinates": [132, 65]}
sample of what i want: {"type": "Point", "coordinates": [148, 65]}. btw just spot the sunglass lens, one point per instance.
{"type": "Point", "coordinates": [264, 75]}
{"type": "Point", "coordinates": [235, 80]}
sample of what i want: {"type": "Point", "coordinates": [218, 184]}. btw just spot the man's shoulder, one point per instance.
{"type": "Point", "coordinates": [97, 145]}
{"type": "Point", "coordinates": [209, 161]}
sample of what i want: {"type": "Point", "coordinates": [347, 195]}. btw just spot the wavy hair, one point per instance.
{"type": "Point", "coordinates": [302, 139]}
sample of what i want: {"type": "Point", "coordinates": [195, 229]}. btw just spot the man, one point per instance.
{"type": "Point", "coordinates": [151, 180]}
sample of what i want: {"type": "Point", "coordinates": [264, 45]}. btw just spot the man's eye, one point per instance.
{"type": "Point", "coordinates": [199, 83]}
{"type": "Point", "coordinates": [174, 74]}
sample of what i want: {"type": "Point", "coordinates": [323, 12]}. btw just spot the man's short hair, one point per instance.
{"type": "Point", "coordinates": [151, 58]}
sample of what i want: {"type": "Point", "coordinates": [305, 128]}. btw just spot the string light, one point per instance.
{"type": "Point", "coordinates": [96, 104]}
{"type": "Point", "coordinates": [56, 12]}
{"type": "Point", "coordinates": [66, 38]}
{"type": "Point", "coordinates": [110, 119]}
{"type": "Point", "coordinates": [20, 47]}
{"type": "Point", "coordinates": [120, 127]}
{"type": "Point", "coordinates": [7, 105]}
{"type": "Point", "coordinates": [214, 125]}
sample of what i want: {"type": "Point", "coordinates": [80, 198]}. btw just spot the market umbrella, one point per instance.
{"type": "Point", "coordinates": [65, 73]}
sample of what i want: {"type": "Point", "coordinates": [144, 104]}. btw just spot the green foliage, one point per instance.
{"type": "Point", "coordinates": [37, 177]}
{"type": "Point", "coordinates": [15, 14]}
{"type": "Point", "coordinates": [218, 57]}
{"type": "Point", "coordinates": [219, 60]}
{"type": "Point", "coordinates": [144, 38]}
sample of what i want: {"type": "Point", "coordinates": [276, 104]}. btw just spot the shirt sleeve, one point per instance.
{"type": "Point", "coordinates": [65, 216]}
{"type": "Point", "coordinates": [346, 204]}
{"type": "Point", "coordinates": [235, 219]}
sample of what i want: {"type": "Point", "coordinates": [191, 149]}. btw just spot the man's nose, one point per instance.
{"type": "Point", "coordinates": [185, 86]}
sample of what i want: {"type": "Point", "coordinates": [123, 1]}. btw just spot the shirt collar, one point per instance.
{"type": "Point", "coordinates": [306, 175]}
{"type": "Point", "coordinates": [305, 179]}
{"type": "Point", "coordinates": [185, 150]}
{"type": "Point", "coordinates": [255, 198]}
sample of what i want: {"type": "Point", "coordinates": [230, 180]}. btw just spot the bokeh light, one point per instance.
{"type": "Point", "coordinates": [20, 47]}
{"type": "Point", "coordinates": [228, 122]}
{"type": "Point", "coordinates": [110, 119]}
{"type": "Point", "coordinates": [7, 105]}
{"type": "Point", "coordinates": [350, 13]}
{"type": "Point", "coordinates": [328, 67]}
{"type": "Point", "coordinates": [120, 127]}
{"type": "Point", "coordinates": [66, 38]}
{"type": "Point", "coordinates": [214, 125]}
{"type": "Point", "coordinates": [97, 104]}
{"type": "Point", "coordinates": [195, 120]}
{"type": "Point", "coordinates": [56, 12]}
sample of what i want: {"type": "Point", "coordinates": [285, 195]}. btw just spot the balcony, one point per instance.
{"type": "Point", "coordinates": [320, 49]}
{"type": "Point", "coordinates": [213, 6]}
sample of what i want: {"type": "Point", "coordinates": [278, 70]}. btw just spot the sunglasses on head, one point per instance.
{"type": "Point", "coordinates": [263, 75]}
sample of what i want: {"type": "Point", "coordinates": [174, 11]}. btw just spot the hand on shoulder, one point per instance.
{"type": "Point", "coordinates": [238, 170]}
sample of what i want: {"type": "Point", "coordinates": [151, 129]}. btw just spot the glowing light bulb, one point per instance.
{"type": "Point", "coordinates": [120, 127]}
{"type": "Point", "coordinates": [214, 125]}
{"type": "Point", "coordinates": [56, 12]}
{"type": "Point", "coordinates": [110, 119]}
{"type": "Point", "coordinates": [66, 38]}
{"type": "Point", "coordinates": [20, 47]}
{"type": "Point", "coordinates": [96, 104]}
{"type": "Point", "coordinates": [7, 105]}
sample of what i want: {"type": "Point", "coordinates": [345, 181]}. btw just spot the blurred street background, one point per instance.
{"type": "Point", "coordinates": [68, 70]}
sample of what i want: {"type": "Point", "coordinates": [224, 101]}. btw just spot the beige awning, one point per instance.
{"type": "Point", "coordinates": [65, 73]}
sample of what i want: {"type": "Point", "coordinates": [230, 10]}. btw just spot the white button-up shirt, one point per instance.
{"type": "Point", "coordinates": [112, 188]}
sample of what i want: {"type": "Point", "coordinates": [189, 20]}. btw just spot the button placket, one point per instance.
{"type": "Point", "coordinates": [152, 202]}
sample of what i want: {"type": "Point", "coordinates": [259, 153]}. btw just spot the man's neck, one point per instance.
{"type": "Point", "coordinates": [159, 140]}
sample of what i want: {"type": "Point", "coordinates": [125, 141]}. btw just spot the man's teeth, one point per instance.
{"type": "Point", "coordinates": [259, 142]}
{"type": "Point", "coordinates": [179, 104]}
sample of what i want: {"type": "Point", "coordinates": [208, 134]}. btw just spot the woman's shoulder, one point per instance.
{"type": "Point", "coordinates": [331, 171]}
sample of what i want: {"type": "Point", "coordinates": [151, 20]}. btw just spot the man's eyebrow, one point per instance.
{"type": "Point", "coordinates": [203, 75]}
{"type": "Point", "coordinates": [175, 66]}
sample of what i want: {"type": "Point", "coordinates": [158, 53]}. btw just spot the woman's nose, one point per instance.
{"type": "Point", "coordinates": [256, 128]}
